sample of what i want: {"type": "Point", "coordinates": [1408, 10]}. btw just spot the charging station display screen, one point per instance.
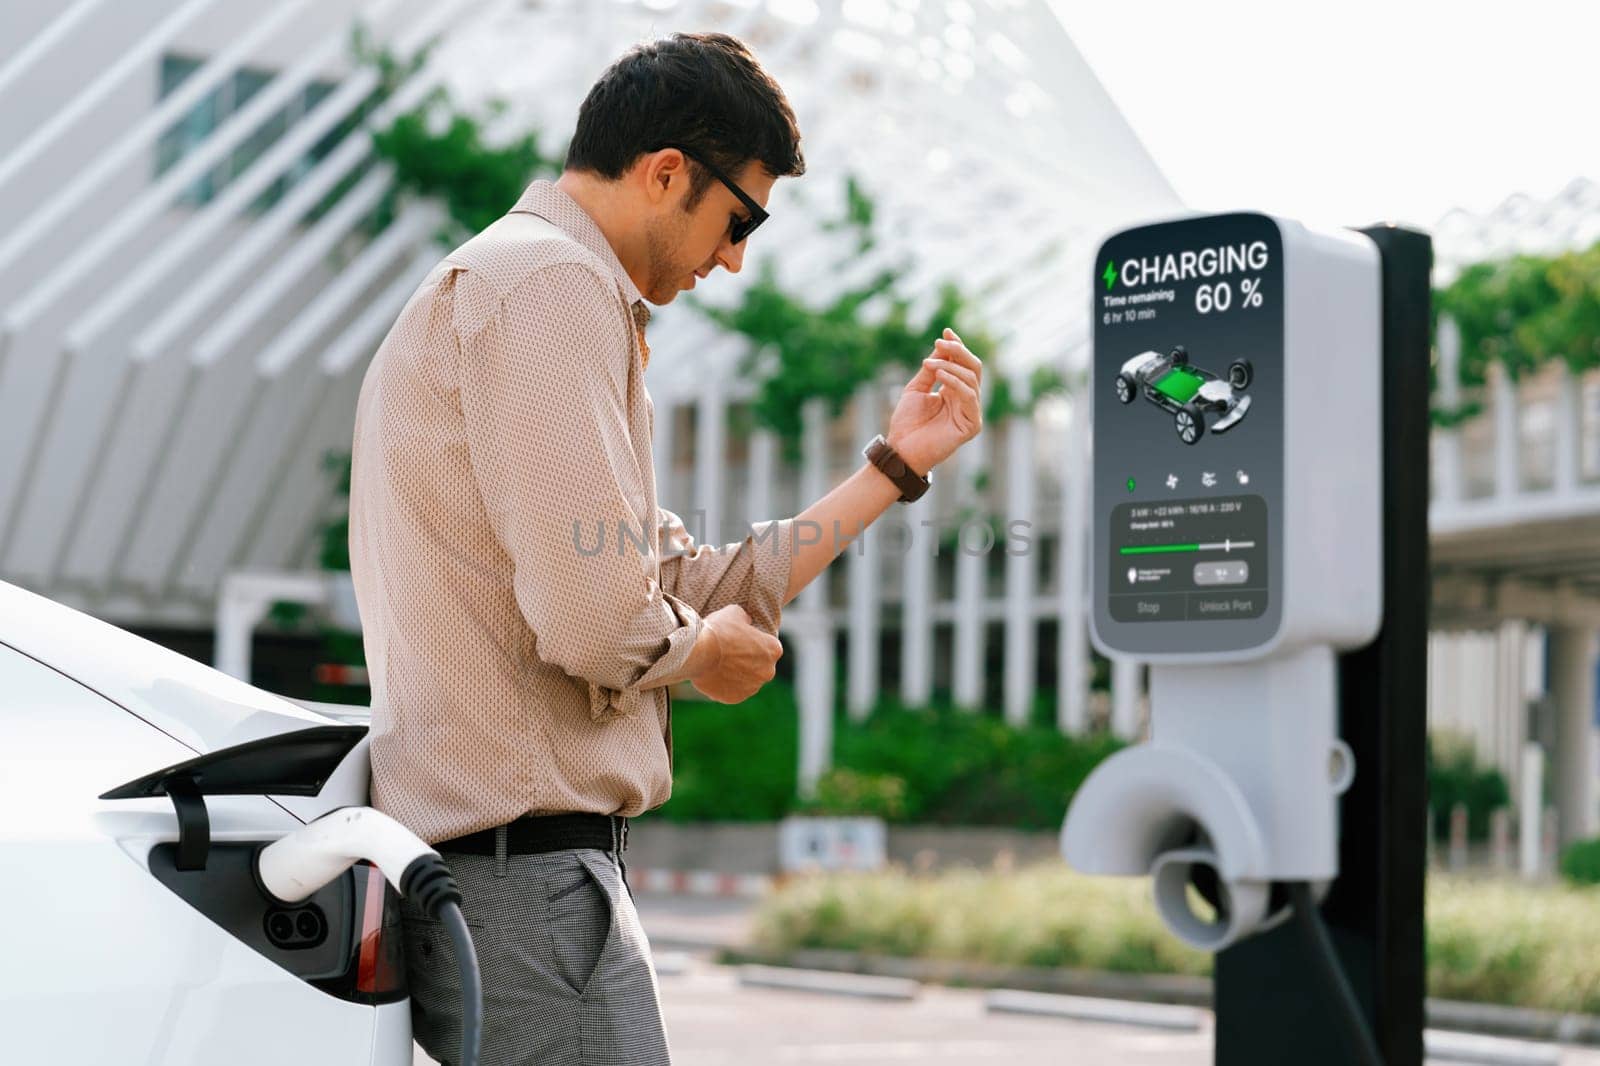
{"type": "Point", "coordinates": [1188, 434]}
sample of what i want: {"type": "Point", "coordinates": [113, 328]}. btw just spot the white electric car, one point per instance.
{"type": "Point", "coordinates": [130, 940]}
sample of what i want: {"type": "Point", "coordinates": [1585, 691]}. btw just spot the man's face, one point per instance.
{"type": "Point", "coordinates": [684, 245]}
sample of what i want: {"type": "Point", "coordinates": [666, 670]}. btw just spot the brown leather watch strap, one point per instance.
{"type": "Point", "coordinates": [911, 484]}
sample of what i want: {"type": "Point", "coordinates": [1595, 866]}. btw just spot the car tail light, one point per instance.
{"type": "Point", "coordinates": [380, 959]}
{"type": "Point", "coordinates": [377, 971]}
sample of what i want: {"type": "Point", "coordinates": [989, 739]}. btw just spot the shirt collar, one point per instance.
{"type": "Point", "coordinates": [551, 203]}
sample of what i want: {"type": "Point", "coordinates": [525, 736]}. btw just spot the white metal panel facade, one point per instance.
{"type": "Point", "coordinates": [174, 363]}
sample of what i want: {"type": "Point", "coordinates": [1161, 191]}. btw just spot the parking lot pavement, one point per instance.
{"type": "Point", "coordinates": [695, 921]}
{"type": "Point", "coordinates": [713, 1021]}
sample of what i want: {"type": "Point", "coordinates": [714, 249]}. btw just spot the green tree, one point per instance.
{"type": "Point", "coordinates": [1524, 311]}
{"type": "Point", "coordinates": [1455, 776]}
{"type": "Point", "coordinates": [800, 351]}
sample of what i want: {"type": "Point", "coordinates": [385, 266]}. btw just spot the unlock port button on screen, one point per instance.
{"type": "Point", "coordinates": [1229, 572]}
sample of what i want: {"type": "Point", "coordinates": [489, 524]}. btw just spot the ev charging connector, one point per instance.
{"type": "Point", "coordinates": [295, 865]}
{"type": "Point", "coordinates": [1236, 547]}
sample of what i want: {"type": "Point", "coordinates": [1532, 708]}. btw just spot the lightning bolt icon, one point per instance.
{"type": "Point", "coordinates": [1110, 275]}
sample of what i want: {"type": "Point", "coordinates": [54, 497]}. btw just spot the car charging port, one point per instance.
{"type": "Point", "coordinates": [298, 928]}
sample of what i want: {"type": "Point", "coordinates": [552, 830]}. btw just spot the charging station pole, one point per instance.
{"type": "Point", "coordinates": [1270, 1007]}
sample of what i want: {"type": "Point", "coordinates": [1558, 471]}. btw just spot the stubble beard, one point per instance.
{"type": "Point", "coordinates": [662, 239]}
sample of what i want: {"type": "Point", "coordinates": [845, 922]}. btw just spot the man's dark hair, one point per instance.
{"type": "Point", "coordinates": [704, 91]}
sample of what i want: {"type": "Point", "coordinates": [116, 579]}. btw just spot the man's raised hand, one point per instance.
{"type": "Point", "coordinates": [927, 426]}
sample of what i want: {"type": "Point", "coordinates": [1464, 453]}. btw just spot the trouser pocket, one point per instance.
{"type": "Point", "coordinates": [580, 918]}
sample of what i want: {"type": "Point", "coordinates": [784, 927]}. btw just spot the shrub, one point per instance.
{"type": "Point", "coordinates": [737, 762]}
{"type": "Point", "coordinates": [967, 768]}
{"type": "Point", "coordinates": [1506, 942]}
{"type": "Point", "coordinates": [1580, 862]}
{"type": "Point", "coordinates": [850, 792]}
{"type": "Point", "coordinates": [1037, 916]}
{"type": "Point", "coordinates": [1455, 776]}
{"type": "Point", "coordinates": [734, 762]}
{"type": "Point", "coordinates": [1499, 942]}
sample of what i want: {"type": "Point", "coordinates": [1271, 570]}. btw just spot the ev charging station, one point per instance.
{"type": "Point", "coordinates": [1258, 537]}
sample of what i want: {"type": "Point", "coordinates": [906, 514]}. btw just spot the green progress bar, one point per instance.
{"type": "Point", "coordinates": [1157, 549]}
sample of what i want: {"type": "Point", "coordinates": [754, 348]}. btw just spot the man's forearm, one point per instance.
{"type": "Point", "coordinates": [852, 506]}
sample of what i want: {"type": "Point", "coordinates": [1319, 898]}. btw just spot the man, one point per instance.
{"type": "Point", "coordinates": [524, 602]}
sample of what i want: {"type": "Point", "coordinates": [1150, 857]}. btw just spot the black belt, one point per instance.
{"type": "Point", "coordinates": [535, 833]}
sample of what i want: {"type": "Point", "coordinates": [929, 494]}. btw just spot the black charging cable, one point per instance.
{"type": "Point", "coordinates": [1309, 918]}
{"type": "Point", "coordinates": [429, 881]}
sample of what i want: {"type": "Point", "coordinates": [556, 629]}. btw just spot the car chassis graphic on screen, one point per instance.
{"type": "Point", "coordinates": [1188, 392]}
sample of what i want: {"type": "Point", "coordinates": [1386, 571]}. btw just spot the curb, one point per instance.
{"type": "Point", "coordinates": [670, 963]}
{"type": "Point", "coordinates": [1147, 988]}
{"type": "Point", "coordinates": [1525, 1022]}
{"type": "Point", "coordinates": [829, 981]}
{"type": "Point", "coordinates": [1086, 1009]}
{"type": "Point", "coordinates": [1487, 1050]}
{"type": "Point", "coordinates": [701, 883]}
{"type": "Point", "coordinates": [1467, 1048]}
{"type": "Point", "coordinates": [1443, 1015]}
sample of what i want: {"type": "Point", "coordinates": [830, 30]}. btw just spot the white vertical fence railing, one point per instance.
{"type": "Point", "coordinates": [916, 603]}
{"type": "Point", "coordinates": [1072, 657]}
{"type": "Point", "coordinates": [923, 574]}
{"type": "Point", "coordinates": [1021, 565]}
{"type": "Point", "coordinates": [865, 598]}
{"type": "Point", "coordinates": [710, 460]}
{"type": "Point", "coordinates": [812, 625]}
{"type": "Point", "coordinates": [972, 566]}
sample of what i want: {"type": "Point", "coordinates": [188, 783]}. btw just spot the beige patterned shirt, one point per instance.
{"type": "Point", "coordinates": [524, 603]}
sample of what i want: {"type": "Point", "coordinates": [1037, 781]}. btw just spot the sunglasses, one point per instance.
{"type": "Point", "coordinates": [740, 227]}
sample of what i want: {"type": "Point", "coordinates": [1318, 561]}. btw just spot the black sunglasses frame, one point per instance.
{"type": "Point", "coordinates": [740, 228]}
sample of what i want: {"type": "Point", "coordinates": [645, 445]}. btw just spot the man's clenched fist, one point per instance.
{"type": "Point", "coordinates": [747, 657]}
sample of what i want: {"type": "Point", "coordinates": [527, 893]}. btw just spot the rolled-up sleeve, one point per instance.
{"type": "Point", "coordinates": [754, 572]}
{"type": "Point", "coordinates": [543, 396]}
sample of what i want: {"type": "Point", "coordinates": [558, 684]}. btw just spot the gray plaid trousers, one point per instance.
{"type": "Point", "coordinates": [567, 976]}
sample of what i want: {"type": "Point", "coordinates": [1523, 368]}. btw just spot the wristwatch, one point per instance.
{"type": "Point", "coordinates": [911, 484]}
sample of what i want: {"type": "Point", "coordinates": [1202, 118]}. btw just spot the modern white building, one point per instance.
{"type": "Point", "coordinates": [190, 318]}
{"type": "Point", "coordinates": [1516, 534]}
